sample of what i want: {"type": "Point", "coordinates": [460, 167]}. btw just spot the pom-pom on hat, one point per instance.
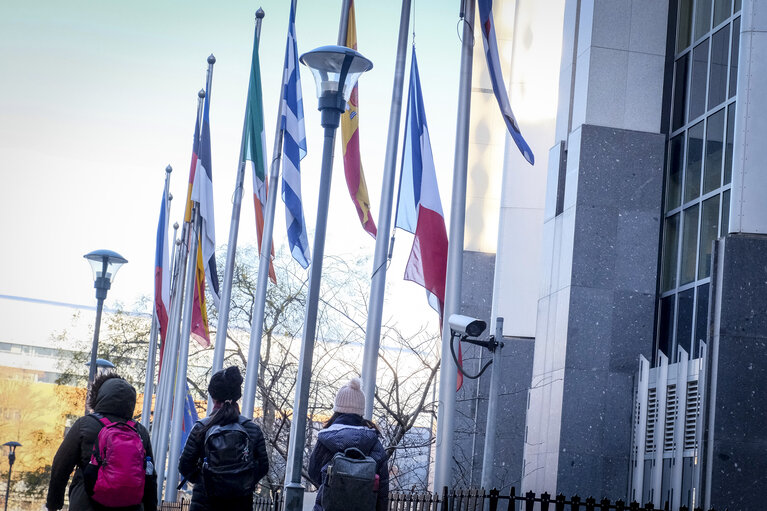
{"type": "Point", "coordinates": [350, 398]}
{"type": "Point", "coordinates": [226, 385]}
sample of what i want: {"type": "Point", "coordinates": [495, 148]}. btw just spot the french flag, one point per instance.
{"type": "Point", "coordinates": [162, 270]}
{"type": "Point", "coordinates": [419, 208]}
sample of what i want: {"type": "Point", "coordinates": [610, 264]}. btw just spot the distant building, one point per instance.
{"type": "Point", "coordinates": [640, 232]}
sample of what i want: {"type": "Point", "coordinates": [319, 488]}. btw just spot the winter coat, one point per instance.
{"type": "Point", "coordinates": [191, 460]}
{"type": "Point", "coordinates": [115, 401]}
{"type": "Point", "coordinates": [347, 431]}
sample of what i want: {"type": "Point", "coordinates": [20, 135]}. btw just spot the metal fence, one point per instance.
{"type": "Point", "coordinates": [474, 499]}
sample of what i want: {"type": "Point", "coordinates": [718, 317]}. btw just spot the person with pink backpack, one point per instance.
{"type": "Point", "coordinates": [110, 453]}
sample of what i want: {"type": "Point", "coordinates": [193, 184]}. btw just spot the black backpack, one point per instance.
{"type": "Point", "coordinates": [228, 467]}
{"type": "Point", "coordinates": [351, 482]}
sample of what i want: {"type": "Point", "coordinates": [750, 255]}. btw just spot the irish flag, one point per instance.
{"type": "Point", "coordinates": [255, 150]}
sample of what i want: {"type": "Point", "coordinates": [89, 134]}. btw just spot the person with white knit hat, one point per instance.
{"type": "Point", "coordinates": [347, 428]}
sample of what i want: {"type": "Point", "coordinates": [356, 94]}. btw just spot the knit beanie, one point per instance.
{"type": "Point", "coordinates": [226, 384]}
{"type": "Point", "coordinates": [350, 398]}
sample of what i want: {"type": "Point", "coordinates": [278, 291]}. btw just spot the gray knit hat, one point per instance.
{"type": "Point", "coordinates": [350, 398]}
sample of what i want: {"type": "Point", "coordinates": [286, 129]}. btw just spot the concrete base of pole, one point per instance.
{"type": "Point", "coordinates": [294, 496]}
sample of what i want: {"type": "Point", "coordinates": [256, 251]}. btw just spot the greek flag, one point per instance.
{"type": "Point", "coordinates": [293, 148]}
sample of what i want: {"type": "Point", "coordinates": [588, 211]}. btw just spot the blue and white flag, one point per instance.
{"type": "Point", "coordinates": [496, 77]}
{"type": "Point", "coordinates": [293, 149]}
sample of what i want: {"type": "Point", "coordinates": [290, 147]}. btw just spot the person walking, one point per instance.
{"type": "Point", "coordinates": [111, 454]}
{"type": "Point", "coordinates": [225, 454]}
{"type": "Point", "coordinates": [347, 429]}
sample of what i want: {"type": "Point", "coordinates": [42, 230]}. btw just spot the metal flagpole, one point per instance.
{"type": "Point", "coordinates": [265, 259]}
{"type": "Point", "coordinates": [343, 25]}
{"type": "Point", "coordinates": [151, 358]}
{"type": "Point", "coordinates": [179, 396]}
{"type": "Point", "coordinates": [170, 355]}
{"type": "Point", "coordinates": [234, 227]}
{"type": "Point", "coordinates": [179, 390]}
{"type": "Point", "coordinates": [378, 285]}
{"type": "Point", "coordinates": [443, 470]}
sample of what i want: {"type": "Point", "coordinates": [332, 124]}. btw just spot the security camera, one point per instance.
{"type": "Point", "coordinates": [465, 325]}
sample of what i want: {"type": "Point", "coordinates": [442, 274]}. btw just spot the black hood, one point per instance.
{"type": "Point", "coordinates": [116, 397]}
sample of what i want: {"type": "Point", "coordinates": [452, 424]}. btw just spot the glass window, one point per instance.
{"type": "Point", "coordinates": [714, 152]}
{"type": "Point", "coordinates": [702, 18]}
{"type": "Point", "coordinates": [684, 24]}
{"type": "Point", "coordinates": [725, 213]}
{"type": "Point", "coordinates": [709, 229]}
{"type": "Point", "coordinates": [680, 91]}
{"type": "Point", "coordinates": [734, 53]}
{"type": "Point", "coordinates": [737, 5]}
{"type": "Point", "coordinates": [666, 332]}
{"type": "Point", "coordinates": [729, 145]}
{"type": "Point", "coordinates": [701, 316]}
{"type": "Point", "coordinates": [689, 244]}
{"type": "Point", "coordinates": [722, 10]}
{"type": "Point", "coordinates": [684, 310]}
{"type": "Point", "coordinates": [675, 163]}
{"type": "Point", "coordinates": [670, 251]}
{"type": "Point", "coordinates": [717, 77]}
{"type": "Point", "coordinates": [694, 162]}
{"type": "Point", "coordinates": [698, 80]}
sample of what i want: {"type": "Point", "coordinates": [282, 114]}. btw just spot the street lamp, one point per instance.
{"type": "Point", "coordinates": [336, 70]}
{"type": "Point", "coordinates": [11, 458]}
{"type": "Point", "coordinates": [105, 264]}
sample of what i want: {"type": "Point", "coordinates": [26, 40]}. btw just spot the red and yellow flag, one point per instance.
{"type": "Point", "coordinates": [355, 178]}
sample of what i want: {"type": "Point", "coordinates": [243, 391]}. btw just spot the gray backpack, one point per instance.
{"type": "Point", "coordinates": [351, 482]}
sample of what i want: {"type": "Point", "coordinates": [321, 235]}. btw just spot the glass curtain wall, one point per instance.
{"type": "Point", "coordinates": [699, 167]}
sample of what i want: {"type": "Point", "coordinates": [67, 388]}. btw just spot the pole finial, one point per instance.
{"type": "Point", "coordinates": [211, 59]}
{"type": "Point", "coordinates": [170, 196]}
{"type": "Point", "coordinates": [260, 14]}
{"type": "Point", "coordinates": [175, 225]}
{"type": "Point", "coordinates": [201, 94]}
{"type": "Point", "coordinates": [168, 169]}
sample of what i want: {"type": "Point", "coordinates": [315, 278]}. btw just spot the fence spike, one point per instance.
{"type": "Point", "coordinates": [512, 499]}
{"type": "Point", "coordinates": [634, 506]}
{"type": "Point", "coordinates": [560, 503]}
{"type": "Point", "coordinates": [590, 504]}
{"type": "Point", "coordinates": [545, 499]}
{"type": "Point", "coordinates": [620, 505]}
{"type": "Point", "coordinates": [575, 503]}
{"type": "Point", "coordinates": [649, 506]}
{"type": "Point", "coordinates": [604, 504]}
{"type": "Point", "coordinates": [529, 501]}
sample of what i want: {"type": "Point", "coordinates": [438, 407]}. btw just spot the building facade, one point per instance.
{"type": "Point", "coordinates": [652, 247]}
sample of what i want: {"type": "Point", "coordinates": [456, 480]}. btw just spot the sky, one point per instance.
{"type": "Point", "coordinates": [97, 98]}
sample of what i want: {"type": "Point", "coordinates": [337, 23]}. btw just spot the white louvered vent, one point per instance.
{"type": "Point", "coordinates": [691, 416]}
{"type": "Point", "coordinates": [652, 418]}
{"type": "Point", "coordinates": [672, 405]}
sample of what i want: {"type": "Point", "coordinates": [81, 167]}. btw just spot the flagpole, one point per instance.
{"type": "Point", "coordinates": [265, 260]}
{"type": "Point", "coordinates": [170, 354]}
{"type": "Point", "coordinates": [378, 284]}
{"type": "Point", "coordinates": [179, 390]}
{"type": "Point", "coordinates": [151, 358]}
{"type": "Point", "coordinates": [234, 227]}
{"type": "Point", "coordinates": [443, 470]}
{"type": "Point", "coordinates": [183, 354]}
{"type": "Point", "coordinates": [343, 25]}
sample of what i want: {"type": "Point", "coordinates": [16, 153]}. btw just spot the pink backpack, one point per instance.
{"type": "Point", "coordinates": [115, 475]}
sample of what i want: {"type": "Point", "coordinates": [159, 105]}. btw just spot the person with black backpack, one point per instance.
{"type": "Point", "coordinates": [225, 454]}
{"type": "Point", "coordinates": [349, 462]}
{"type": "Point", "coordinates": [111, 452]}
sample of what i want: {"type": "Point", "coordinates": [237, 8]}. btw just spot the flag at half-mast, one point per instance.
{"type": "Point", "coordinates": [162, 272]}
{"type": "Point", "coordinates": [355, 177]}
{"type": "Point", "coordinates": [255, 150]}
{"type": "Point", "coordinates": [200, 330]}
{"type": "Point", "coordinates": [293, 148]}
{"type": "Point", "coordinates": [419, 207]}
{"type": "Point", "coordinates": [490, 43]}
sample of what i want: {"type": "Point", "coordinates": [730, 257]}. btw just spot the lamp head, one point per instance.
{"type": "Point", "coordinates": [98, 258]}
{"type": "Point", "coordinates": [336, 69]}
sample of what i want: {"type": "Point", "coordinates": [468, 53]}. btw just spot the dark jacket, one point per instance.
{"type": "Point", "coordinates": [347, 431]}
{"type": "Point", "coordinates": [115, 401]}
{"type": "Point", "coordinates": [191, 460]}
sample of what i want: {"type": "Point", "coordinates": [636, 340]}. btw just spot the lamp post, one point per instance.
{"type": "Point", "coordinates": [336, 70]}
{"type": "Point", "coordinates": [11, 458]}
{"type": "Point", "coordinates": [105, 264]}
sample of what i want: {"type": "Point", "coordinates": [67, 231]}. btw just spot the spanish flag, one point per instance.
{"type": "Point", "coordinates": [355, 178]}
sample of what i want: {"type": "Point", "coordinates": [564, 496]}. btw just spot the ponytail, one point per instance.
{"type": "Point", "coordinates": [227, 414]}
